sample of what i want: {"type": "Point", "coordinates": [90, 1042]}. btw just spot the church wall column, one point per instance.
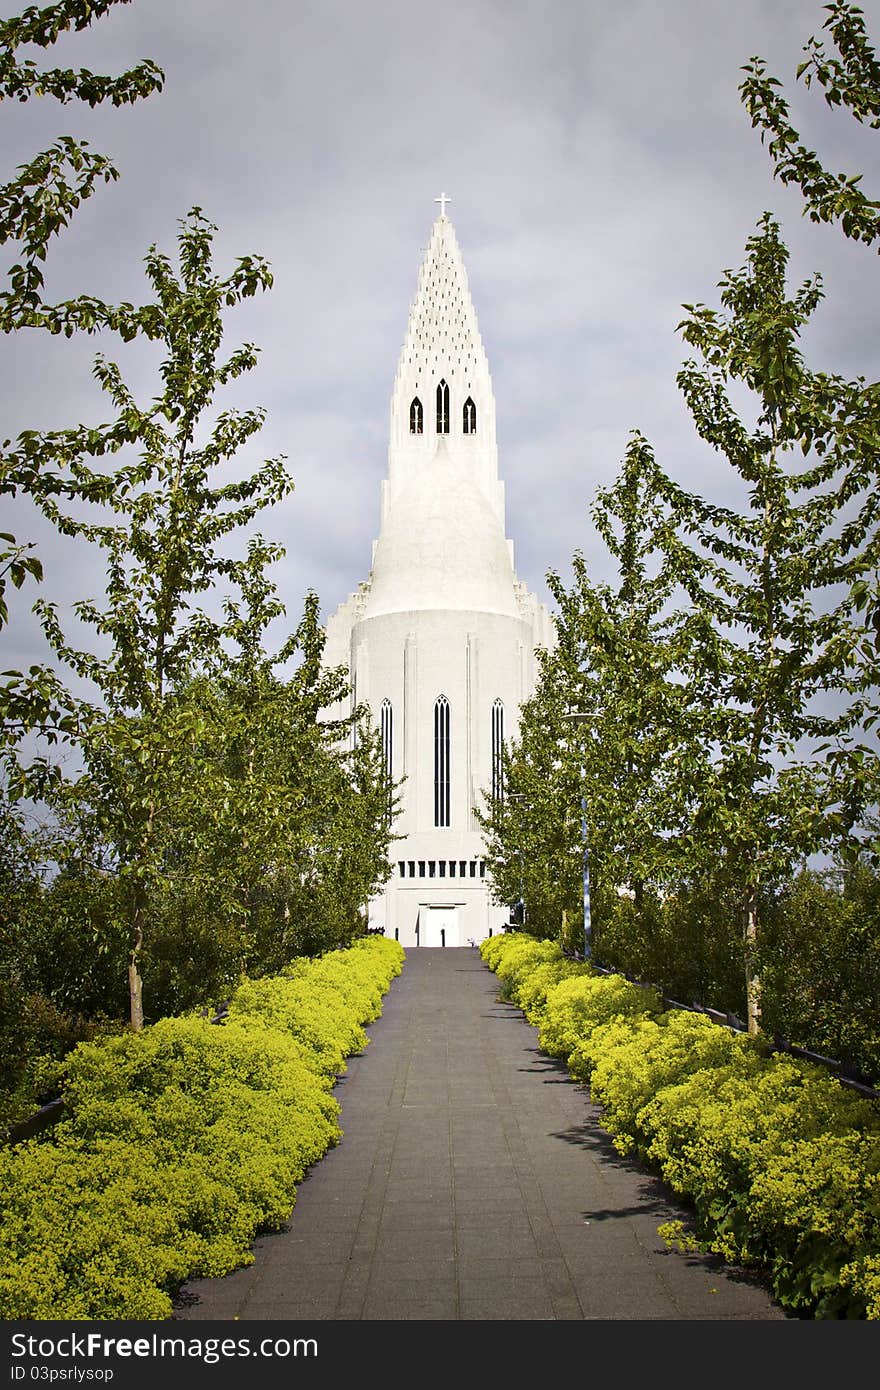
{"type": "Point", "coordinates": [353, 697]}
{"type": "Point", "coordinates": [410, 732]}
{"type": "Point", "coordinates": [472, 716]}
{"type": "Point", "coordinates": [361, 675]}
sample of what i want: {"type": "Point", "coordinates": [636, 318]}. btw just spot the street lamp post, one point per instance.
{"type": "Point", "coordinates": [575, 717]}
{"type": "Point", "coordinates": [519, 797]}
{"type": "Point", "coordinates": [520, 908]}
{"type": "Point", "coordinates": [522, 901]}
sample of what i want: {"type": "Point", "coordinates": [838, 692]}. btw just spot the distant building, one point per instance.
{"type": "Point", "coordinates": [440, 638]}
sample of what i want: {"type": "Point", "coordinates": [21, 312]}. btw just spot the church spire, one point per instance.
{"type": "Point", "coordinates": [443, 385]}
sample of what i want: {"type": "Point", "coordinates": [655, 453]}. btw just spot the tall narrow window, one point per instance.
{"type": "Point", "coordinates": [441, 762]}
{"type": "Point", "coordinates": [497, 750]}
{"type": "Point", "coordinates": [469, 417]}
{"type": "Point", "coordinates": [415, 416]}
{"type": "Point", "coordinates": [442, 408]}
{"type": "Point", "coordinates": [387, 728]}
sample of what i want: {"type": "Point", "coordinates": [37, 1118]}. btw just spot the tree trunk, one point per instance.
{"type": "Point", "coordinates": [753, 983]}
{"type": "Point", "coordinates": [135, 992]}
{"type": "Point", "coordinates": [135, 983]}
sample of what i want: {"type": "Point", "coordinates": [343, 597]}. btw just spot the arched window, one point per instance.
{"type": "Point", "coordinates": [497, 750]}
{"type": "Point", "coordinates": [387, 727]}
{"type": "Point", "coordinates": [442, 408]}
{"type": "Point", "coordinates": [441, 761]}
{"type": "Point", "coordinates": [415, 416]}
{"type": "Point", "coordinates": [469, 417]}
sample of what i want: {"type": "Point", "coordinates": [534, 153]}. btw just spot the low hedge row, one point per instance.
{"type": "Point", "coordinates": [780, 1163]}
{"type": "Point", "coordinates": [181, 1142]}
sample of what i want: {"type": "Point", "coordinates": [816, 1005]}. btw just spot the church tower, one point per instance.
{"type": "Point", "coordinates": [440, 638]}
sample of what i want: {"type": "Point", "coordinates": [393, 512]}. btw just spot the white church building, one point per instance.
{"type": "Point", "coordinates": [440, 638]}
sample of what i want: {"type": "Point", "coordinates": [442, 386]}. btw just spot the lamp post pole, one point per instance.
{"type": "Point", "coordinates": [588, 919]}
{"type": "Point", "coordinates": [519, 797]}
{"type": "Point", "coordinates": [575, 718]}
{"type": "Point", "coordinates": [522, 903]}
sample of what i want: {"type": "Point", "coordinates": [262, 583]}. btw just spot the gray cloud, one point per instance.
{"type": "Point", "coordinates": [602, 172]}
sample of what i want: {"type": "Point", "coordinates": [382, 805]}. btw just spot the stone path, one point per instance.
{"type": "Point", "coordinates": [473, 1181]}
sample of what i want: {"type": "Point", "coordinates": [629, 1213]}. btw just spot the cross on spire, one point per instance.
{"type": "Point", "coordinates": [443, 200]}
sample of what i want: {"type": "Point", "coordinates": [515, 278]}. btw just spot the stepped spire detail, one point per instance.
{"type": "Point", "coordinates": [442, 384]}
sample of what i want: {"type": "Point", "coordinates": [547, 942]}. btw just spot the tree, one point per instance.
{"type": "Point", "coordinates": [302, 838]}
{"type": "Point", "coordinates": [847, 414]}
{"type": "Point", "coordinates": [789, 639]}
{"type": "Point", "coordinates": [140, 743]}
{"type": "Point", "coordinates": [532, 839]}
{"type": "Point", "coordinates": [645, 657]}
{"type": "Point", "coordinates": [851, 80]}
{"type": "Point", "coordinates": [820, 955]}
{"type": "Point", "coordinates": [35, 206]}
{"type": "Point", "coordinates": [637, 660]}
{"type": "Point", "coordinates": [782, 647]}
{"type": "Point", "coordinates": [706, 669]}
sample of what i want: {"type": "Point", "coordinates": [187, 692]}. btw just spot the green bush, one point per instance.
{"type": "Point", "coordinates": [34, 1033]}
{"type": "Point", "coordinates": [628, 1061]}
{"type": "Point", "coordinates": [820, 966]}
{"type": "Point", "coordinates": [513, 956]}
{"type": "Point", "coordinates": [575, 1006]}
{"type": "Point", "coordinates": [689, 944]}
{"type": "Point", "coordinates": [180, 1143]}
{"type": "Point", "coordinates": [818, 954]}
{"type": "Point", "coordinates": [323, 1023]}
{"type": "Point", "coordinates": [532, 991]}
{"type": "Point", "coordinates": [780, 1163]}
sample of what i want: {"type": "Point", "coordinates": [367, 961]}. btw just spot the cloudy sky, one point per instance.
{"type": "Point", "coordinates": [602, 172]}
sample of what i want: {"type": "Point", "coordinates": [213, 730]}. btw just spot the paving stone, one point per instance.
{"type": "Point", "coordinates": [406, 1244]}
{"type": "Point", "coordinates": [418, 1216]}
{"type": "Point", "coordinates": [437, 1189]}
{"type": "Point", "coordinates": [304, 1312]}
{"type": "Point", "coordinates": [481, 1209]}
{"type": "Point", "coordinates": [399, 1310]}
{"type": "Point", "coordinates": [516, 1246]}
{"type": "Point", "coordinates": [506, 1298]}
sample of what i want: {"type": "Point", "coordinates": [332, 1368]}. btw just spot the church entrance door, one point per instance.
{"type": "Point", "coordinates": [438, 926]}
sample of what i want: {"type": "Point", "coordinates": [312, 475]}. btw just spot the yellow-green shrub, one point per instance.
{"type": "Point", "coordinates": [781, 1165]}
{"type": "Point", "coordinates": [514, 954]}
{"type": "Point", "coordinates": [493, 947]}
{"type": "Point", "coordinates": [863, 1276]}
{"type": "Point", "coordinates": [181, 1142]}
{"type": "Point", "coordinates": [311, 1010]}
{"type": "Point", "coordinates": [532, 990]}
{"type": "Point", "coordinates": [575, 1006]}
{"type": "Point", "coordinates": [628, 1062]}
{"type": "Point", "coordinates": [360, 974]}
{"type": "Point", "coordinates": [780, 1162]}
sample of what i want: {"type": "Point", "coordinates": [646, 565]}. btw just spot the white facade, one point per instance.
{"type": "Point", "coordinates": [440, 638]}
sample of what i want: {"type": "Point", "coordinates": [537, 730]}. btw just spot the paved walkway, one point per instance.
{"type": "Point", "coordinates": [473, 1181]}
